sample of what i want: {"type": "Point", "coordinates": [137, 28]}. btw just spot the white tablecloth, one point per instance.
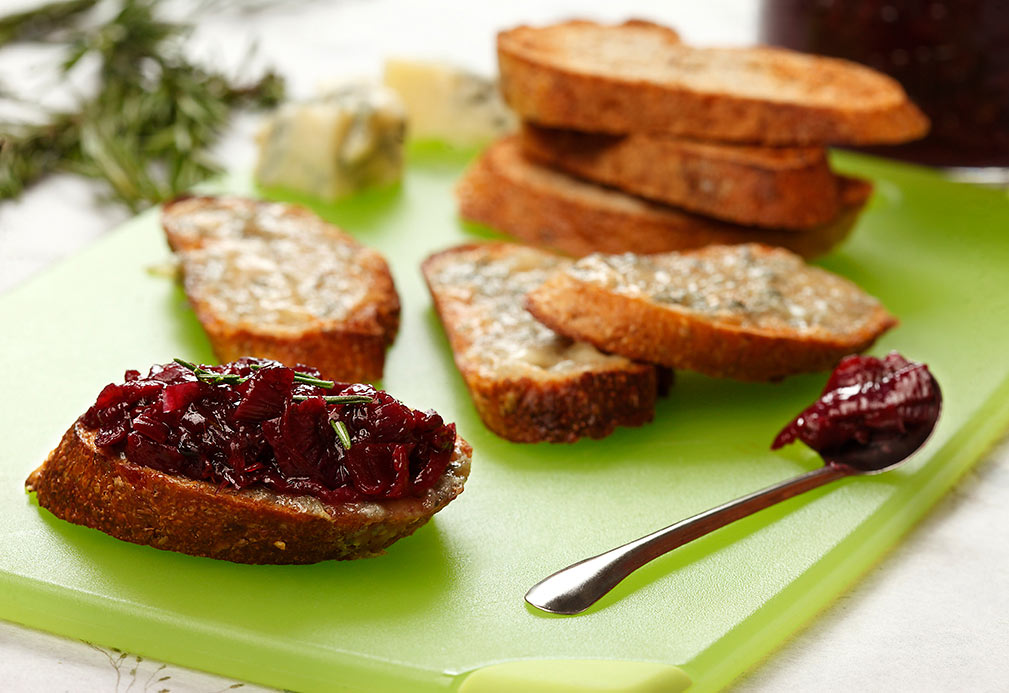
{"type": "Point", "coordinates": [933, 616]}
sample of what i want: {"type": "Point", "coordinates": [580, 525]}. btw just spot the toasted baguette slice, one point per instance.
{"type": "Point", "coordinates": [528, 383]}
{"type": "Point", "coordinates": [636, 77]}
{"type": "Point", "coordinates": [273, 280]}
{"type": "Point", "coordinates": [81, 484]}
{"type": "Point", "coordinates": [773, 187]}
{"type": "Point", "coordinates": [547, 208]}
{"type": "Point", "coordinates": [748, 312]}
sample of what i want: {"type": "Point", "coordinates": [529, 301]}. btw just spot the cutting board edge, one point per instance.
{"type": "Point", "coordinates": [204, 649]}
{"type": "Point", "coordinates": [800, 602]}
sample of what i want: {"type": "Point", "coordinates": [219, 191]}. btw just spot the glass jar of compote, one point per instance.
{"type": "Point", "coordinates": [951, 56]}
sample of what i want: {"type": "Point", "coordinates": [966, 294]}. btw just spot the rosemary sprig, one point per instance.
{"type": "Point", "coordinates": [148, 129]}
{"type": "Point", "coordinates": [306, 379]}
{"type": "Point", "coordinates": [303, 378]}
{"type": "Point", "coordinates": [214, 378]}
{"type": "Point", "coordinates": [338, 399]}
{"type": "Point", "coordinates": [209, 376]}
{"type": "Point", "coordinates": [341, 433]}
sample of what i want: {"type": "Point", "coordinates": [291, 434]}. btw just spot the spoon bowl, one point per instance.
{"type": "Point", "coordinates": [889, 454]}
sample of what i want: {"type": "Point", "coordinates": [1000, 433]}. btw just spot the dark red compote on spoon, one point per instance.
{"type": "Point", "coordinates": [255, 422]}
{"type": "Point", "coordinates": [872, 413]}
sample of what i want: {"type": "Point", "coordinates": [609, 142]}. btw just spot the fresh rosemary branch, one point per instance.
{"type": "Point", "coordinates": [148, 129]}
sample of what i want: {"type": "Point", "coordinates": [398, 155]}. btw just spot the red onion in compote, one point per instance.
{"type": "Point", "coordinates": [255, 422]}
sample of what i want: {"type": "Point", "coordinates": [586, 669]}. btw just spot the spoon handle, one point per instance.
{"type": "Point", "coordinates": [573, 589]}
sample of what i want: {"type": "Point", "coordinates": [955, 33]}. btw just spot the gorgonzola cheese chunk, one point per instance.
{"type": "Point", "coordinates": [449, 104]}
{"type": "Point", "coordinates": [331, 147]}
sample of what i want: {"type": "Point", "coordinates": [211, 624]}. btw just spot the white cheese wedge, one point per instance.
{"type": "Point", "coordinates": [331, 147]}
{"type": "Point", "coordinates": [449, 104]}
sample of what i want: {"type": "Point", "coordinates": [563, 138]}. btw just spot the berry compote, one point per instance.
{"type": "Point", "coordinates": [255, 422]}
{"type": "Point", "coordinates": [872, 413]}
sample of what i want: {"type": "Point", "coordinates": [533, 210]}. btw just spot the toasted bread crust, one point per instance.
{"type": "Point", "coordinates": [81, 484]}
{"type": "Point", "coordinates": [539, 406]}
{"type": "Point", "coordinates": [773, 187]}
{"type": "Point", "coordinates": [590, 405]}
{"type": "Point", "coordinates": [678, 338]}
{"type": "Point", "coordinates": [731, 95]}
{"type": "Point", "coordinates": [351, 352]}
{"type": "Point", "coordinates": [550, 209]}
{"type": "Point", "coordinates": [351, 349]}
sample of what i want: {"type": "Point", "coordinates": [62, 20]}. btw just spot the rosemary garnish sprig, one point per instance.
{"type": "Point", "coordinates": [306, 379]}
{"type": "Point", "coordinates": [337, 399]}
{"type": "Point", "coordinates": [303, 378]}
{"type": "Point", "coordinates": [341, 433]}
{"type": "Point", "coordinates": [209, 376]}
{"type": "Point", "coordinates": [214, 378]}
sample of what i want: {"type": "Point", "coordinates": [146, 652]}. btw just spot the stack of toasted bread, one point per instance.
{"type": "Point", "coordinates": [633, 141]}
{"type": "Point", "coordinates": [671, 171]}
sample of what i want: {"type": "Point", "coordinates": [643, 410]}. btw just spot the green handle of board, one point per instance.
{"type": "Point", "coordinates": [576, 676]}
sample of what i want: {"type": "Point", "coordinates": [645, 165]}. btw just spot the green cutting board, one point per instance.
{"type": "Point", "coordinates": [447, 601]}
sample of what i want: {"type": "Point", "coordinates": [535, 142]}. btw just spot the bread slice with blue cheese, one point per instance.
{"type": "Point", "coordinates": [273, 280]}
{"type": "Point", "coordinates": [747, 312]}
{"type": "Point", "coordinates": [529, 383]}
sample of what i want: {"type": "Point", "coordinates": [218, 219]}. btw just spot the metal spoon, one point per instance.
{"type": "Point", "coordinates": [579, 586]}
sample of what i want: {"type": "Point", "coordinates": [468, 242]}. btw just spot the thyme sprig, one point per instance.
{"type": "Point", "coordinates": [147, 130]}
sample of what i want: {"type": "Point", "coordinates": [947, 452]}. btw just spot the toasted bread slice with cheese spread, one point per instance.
{"type": "Point", "coordinates": [748, 312]}
{"type": "Point", "coordinates": [82, 484]}
{"type": "Point", "coordinates": [772, 187]}
{"type": "Point", "coordinates": [528, 383]}
{"type": "Point", "coordinates": [638, 77]}
{"type": "Point", "coordinates": [274, 280]}
{"type": "Point", "coordinates": [538, 205]}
